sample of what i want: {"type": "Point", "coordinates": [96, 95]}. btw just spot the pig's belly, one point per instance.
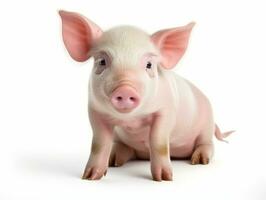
{"type": "Point", "coordinates": [181, 145]}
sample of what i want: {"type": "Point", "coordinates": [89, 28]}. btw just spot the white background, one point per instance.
{"type": "Point", "coordinates": [44, 130]}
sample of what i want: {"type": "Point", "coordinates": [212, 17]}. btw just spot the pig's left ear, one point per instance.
{"type": "Point", "coordinates": [172, 44]}
{"type": "Point", "coordinates": [79, 33]}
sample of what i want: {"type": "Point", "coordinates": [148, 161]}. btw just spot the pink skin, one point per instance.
{"type": "Point", "coordinates": [125, 98]}
{"type": "Point", "coordinates": [76, 24]}
{"type": "Point", "coordinates": [138, 109]}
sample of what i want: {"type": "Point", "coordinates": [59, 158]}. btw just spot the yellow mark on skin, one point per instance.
{"type": "Point", "coordinates": [95, 148]}
{"type": "Point", "coordinates": [163, 150]}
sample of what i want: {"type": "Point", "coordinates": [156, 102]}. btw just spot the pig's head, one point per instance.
{"type": "Point", "coordinates": [128, 61]}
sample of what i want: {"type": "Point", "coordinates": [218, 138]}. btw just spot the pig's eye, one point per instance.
{"type": "Point", "coordinates": [102, 62]}
{"type": "Point", "coordinates": [149, 65]}
{"type": "Point", "coordinates": [149, 69]}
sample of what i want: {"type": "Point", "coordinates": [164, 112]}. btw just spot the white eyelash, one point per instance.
{"type": "Point", "coordinates": [98, 60]}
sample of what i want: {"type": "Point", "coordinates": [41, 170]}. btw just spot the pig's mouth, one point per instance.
{"type": "Point", "coordinates": [125, 98]}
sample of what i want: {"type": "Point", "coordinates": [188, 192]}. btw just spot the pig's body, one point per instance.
{"type": "Point", "coordinates": [138, 108]}
{"type": "Point", "coordinates": [191, 116]}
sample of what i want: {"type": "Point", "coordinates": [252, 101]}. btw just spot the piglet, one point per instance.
{"type": "Point", "coordinates": [138, 107]}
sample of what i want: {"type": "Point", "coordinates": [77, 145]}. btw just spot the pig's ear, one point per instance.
{"type": "Point", "coordinates": [78, 34]}
{"type": "Point", "coordinates": [172, 44]}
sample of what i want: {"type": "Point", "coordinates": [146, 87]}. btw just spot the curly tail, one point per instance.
{"type": "Point", "coordinates": [220, 136]}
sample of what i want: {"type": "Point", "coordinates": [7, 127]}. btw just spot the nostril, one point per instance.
{"type": "Point", "coordinates": [119, 98]}
{"type": "Point", "coordinates": [132, 99]}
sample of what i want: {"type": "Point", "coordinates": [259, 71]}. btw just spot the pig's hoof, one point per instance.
{"type": "Point", "coordinates": [120, 155]}
{"type": "Point", "coordinates": [199, 159]}
{"type": "Point", "coordinates": [162, 174]}
{"type": "Point", "coordinates": [94, 173]}
{"type": "Point", "coordinates": [202, 154]}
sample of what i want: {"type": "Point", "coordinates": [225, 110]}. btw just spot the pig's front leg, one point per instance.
{"type": "Point", "coordinates": [159, 147]}
{"type": "Point", "coordinates": [100, 148]}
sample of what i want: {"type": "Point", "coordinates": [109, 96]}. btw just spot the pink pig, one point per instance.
{"type": "Point", "coordinates": [138, 107]}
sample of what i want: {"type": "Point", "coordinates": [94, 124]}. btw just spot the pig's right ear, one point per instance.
{"type": "Point", "coordinates": [79, 33]}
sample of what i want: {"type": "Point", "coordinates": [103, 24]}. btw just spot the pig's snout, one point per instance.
{"type": "Point", "coordinates": [125, 98]}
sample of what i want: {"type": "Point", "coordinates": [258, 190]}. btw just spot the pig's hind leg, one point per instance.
{"type": "Point", "coordinates": [204, 148]}
{"type": "Point", "coordinates": [120, 154]}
